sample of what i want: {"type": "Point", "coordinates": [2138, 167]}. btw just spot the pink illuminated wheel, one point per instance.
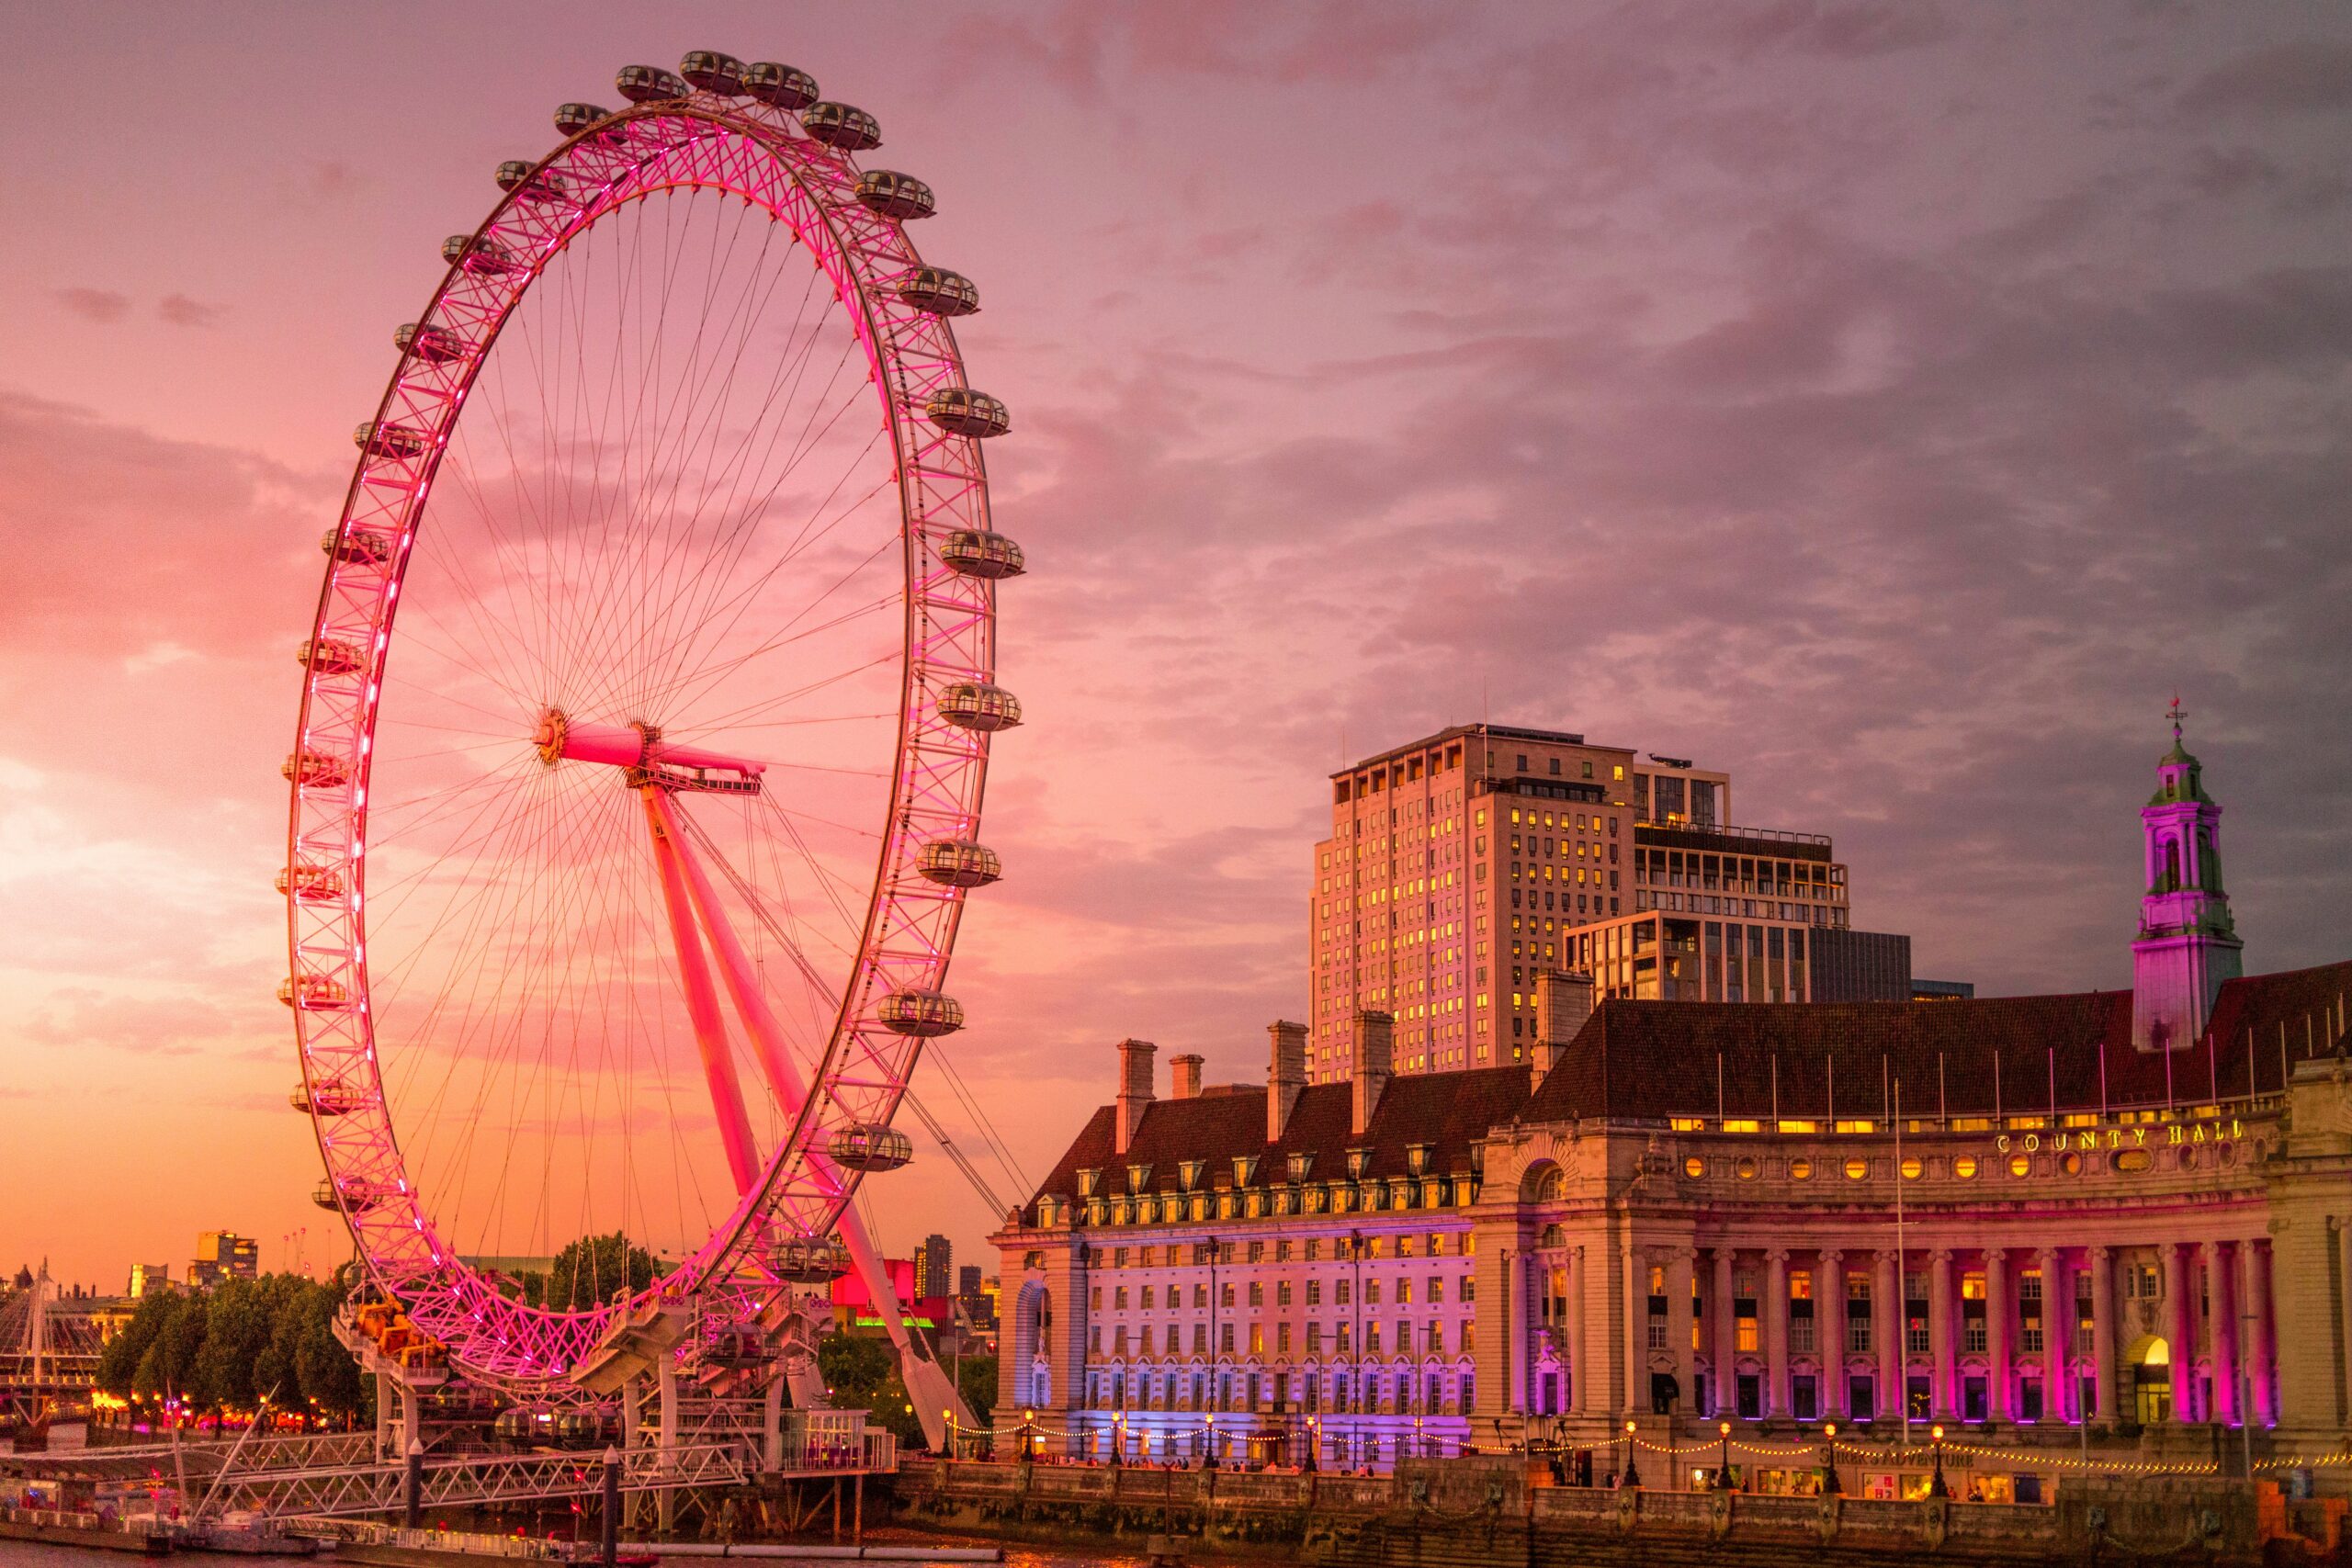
{"type": "Point", "coordinates": [644, 721]}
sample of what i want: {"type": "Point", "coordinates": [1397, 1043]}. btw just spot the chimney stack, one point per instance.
{"type": "Point", "coordinates": [1135, 1089]}
{"type": "Point", "coordinates": [1563, 1001]}
{"type": "Point", "coordinates": [1185, 1073]}
{"type": "Point", "coordinates": [1286, 1074]}
{"type": "Point", "coordinates": [1376, 1034]}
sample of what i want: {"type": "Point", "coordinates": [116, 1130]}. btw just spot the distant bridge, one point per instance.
{"type": "Point", "coordinates": [49, 1352]}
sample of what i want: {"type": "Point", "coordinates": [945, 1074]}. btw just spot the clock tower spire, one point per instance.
{"type": "Point", "coordinates": [2186, 945]}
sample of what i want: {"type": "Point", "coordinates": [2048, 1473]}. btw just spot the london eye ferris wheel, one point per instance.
{"type": "Point", "coordinates": [645, 716]}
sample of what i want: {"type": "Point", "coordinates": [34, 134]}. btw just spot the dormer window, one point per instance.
{"type": "Point", "coordinates": [1245, 1169]}
{"type": "Point", "coordinates": [1300, 1164]}
{"type": "Point", "coordinates": [1359, 1161]}
{"type": "Point", "coordinates": [1417, 1159]}
{"type": "Point", "coordinates": [1188, 1173]}
{"type": "Point", "coordinates": [1088, 1180]}
{"type": "Point", "coordinates": [1138, 1177]}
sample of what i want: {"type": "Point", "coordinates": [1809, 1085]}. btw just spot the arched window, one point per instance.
{"type": "Point", "coordinates": [2172, 866]}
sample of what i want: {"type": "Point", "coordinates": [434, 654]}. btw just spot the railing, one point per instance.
{"type": "Point", "coordinates": [380, 1489]}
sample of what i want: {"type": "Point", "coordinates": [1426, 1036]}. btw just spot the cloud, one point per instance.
{"type": "Point", "coordinates": [2306, 76]}
{"type": "Point", "coordinates": [103, 306]}
{"type": "Point", "coordinates": [179, 310]}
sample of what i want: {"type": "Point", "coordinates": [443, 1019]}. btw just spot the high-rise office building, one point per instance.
{"type": "Point", "coordinates": [1460, 864]}
{"type": "Point", "coordinates": [148, 1277]}
{"type": "Point", "coordinates": [934, 1268]}
{"type": "Point", "coordinates": [223, 1255]}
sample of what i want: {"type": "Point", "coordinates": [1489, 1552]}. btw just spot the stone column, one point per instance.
{"type": "Point", "coordinates": [2181, 1314]}
{"type": "Point", "coordinates": [1940, 1333]}
{"type": "Point", "coordinates": [1829, 1330]}
{"type": "Point", "coordinates": [1682, 1272]}
{"type": "Point", "coordinates": [1886, 1333]}
{"type": "Point", "coordinates": [1637, 1314]}
{"type": "Point", "coordinates": [2254, 1264]}
{"type": "Point", "coordinates": [2102, 1268]}
{"type": "Point", "coordinates": [1720, 1318]}
{"type": "Point", "coordinates": [1515, 1330]}
{"type": "Point", "coordinates": [1996, 1335]}
{"type": "Point", "coordinates": [2057, 1334]}
{"type": "Point", "coordinates": [2221, 1330]}
{"type": "Point", "coordinates": [1581, 1369]}
{"type": "Point", "coordinates": [1776, 1333]}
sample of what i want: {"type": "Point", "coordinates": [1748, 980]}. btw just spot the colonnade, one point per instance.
{"type": "Point", "coordinates": [1954, 1331]}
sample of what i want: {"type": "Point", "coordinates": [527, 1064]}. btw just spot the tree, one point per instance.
{"type": "Point", "coordinates": [168, 1364]}
{"type": "Point", "coordinates": [863, 1374]}
{"type": "Point", "coordinates": [119, 1362]}
{"type": "Point", "coordinates": [325, 1371]}
{"type": "Point", "coordinates": [976, 1381]}
{"type": "Point", "coordinates": [594, 1269]}
{"type": "Point", "coordinates": [236, 1332]}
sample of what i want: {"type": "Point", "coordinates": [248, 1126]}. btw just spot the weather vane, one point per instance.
{"type": "Point", "coordinates": [2177, 713]}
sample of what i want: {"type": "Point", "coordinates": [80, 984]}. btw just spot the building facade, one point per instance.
{"type": "Point", "coordinates": [1462, 863]}
{"type": "Point", "coordinates": [223, 1255]}
{"type": "Point", "coordinates": [2014, 1217]}
{"type": "Point", "coordinates": [935, 1267]}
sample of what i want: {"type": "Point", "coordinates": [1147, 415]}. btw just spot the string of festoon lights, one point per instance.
{"type": "Point", "coordinates": [1848, 1450]}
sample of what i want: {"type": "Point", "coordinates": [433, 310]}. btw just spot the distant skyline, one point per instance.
{"type": "Point", "coordinates": [1892, 404]}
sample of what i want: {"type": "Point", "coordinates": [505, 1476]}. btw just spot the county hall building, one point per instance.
{"type": "Point", "coordinates": [2114, 1221]}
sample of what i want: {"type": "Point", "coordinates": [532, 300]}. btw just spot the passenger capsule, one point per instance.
{"type": "Point", "coordinates": [926, 1015]}
{"type": "Point", "coordinates": [870, 1146]}
{"type": "Point", "coordinates": [894, 195]}
{"type": "Point", "coordinates": [975, 552]}
{"type": "Point", "coordinates": [435, 345]}
{"type": "Point", "coordinates": [528, 182]}
{"type": "Point", "coordinates": [395, 443]}
{"type": "Point", "coordinates": [959, 411]}
{"type": "Point", "coordinates": [939, 292]}
{"type": "Point", "coordinates": [313, 992]}
{"type": "Point", "coordinates": [780, 86]}
{"type": "Point", "coordinates": [957, 863]}
{"type": "Point", "coordinates": [483, 256]}
{"type": "Point", "coordinates": [315, 769]}
{"type": "Point", "coordinates": [805, 1262]}
{"type": "Point", "coordinates": [358, 547]}
{"type": "Point", "coordinates": [573, 119]}
{"type": "Point", "coordinates": [520, 1426]}
{"type": "Point", "coordinates": [354, 1194]}
{"type": "Point", "coordinates": [329, 656]}
{"type": "Point", "coordinates": [647, 84]}
{"type": "Point", "coordinates": [976, 704]}
{"type": "Point", "coordinates": [311, 884]}
{"type": "Point", "coordinates": [326, 1098]}
{"type": "Point", "coordinates": [714, 73]}
{"type": "Point", "coordinates": [841, 127]}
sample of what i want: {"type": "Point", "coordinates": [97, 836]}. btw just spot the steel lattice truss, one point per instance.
{"type": "Point", "coordinates": [761, 156]}
{"type": "Point", "coordinates": [454, 1483]}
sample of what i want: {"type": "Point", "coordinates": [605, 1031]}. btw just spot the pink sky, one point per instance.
{"type": "Point", "coordinates": [1892, 405]}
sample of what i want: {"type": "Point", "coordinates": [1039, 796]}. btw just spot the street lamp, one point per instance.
{"type": "Point", "coordinates": [1936, 1487]}
{"type": "Point", "coordinates": [1829, 1488]}
{"type": "Point", "coordinates": [1632, 1476]}
{"type": "Point", "coordinates": [1314, 1441]}
{"type": "Point", "coordinates": [1212, 1460]}
{"type": "Point", "coordinates": [1028, 1436]}
{"type": "Point", "coordinates": [1723, 1466]}
{"type": "Point", "coordinates": [1118, 1438]}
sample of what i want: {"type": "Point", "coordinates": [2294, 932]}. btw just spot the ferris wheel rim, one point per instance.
{"type": "Point", "coordinates": [787, 1199]}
